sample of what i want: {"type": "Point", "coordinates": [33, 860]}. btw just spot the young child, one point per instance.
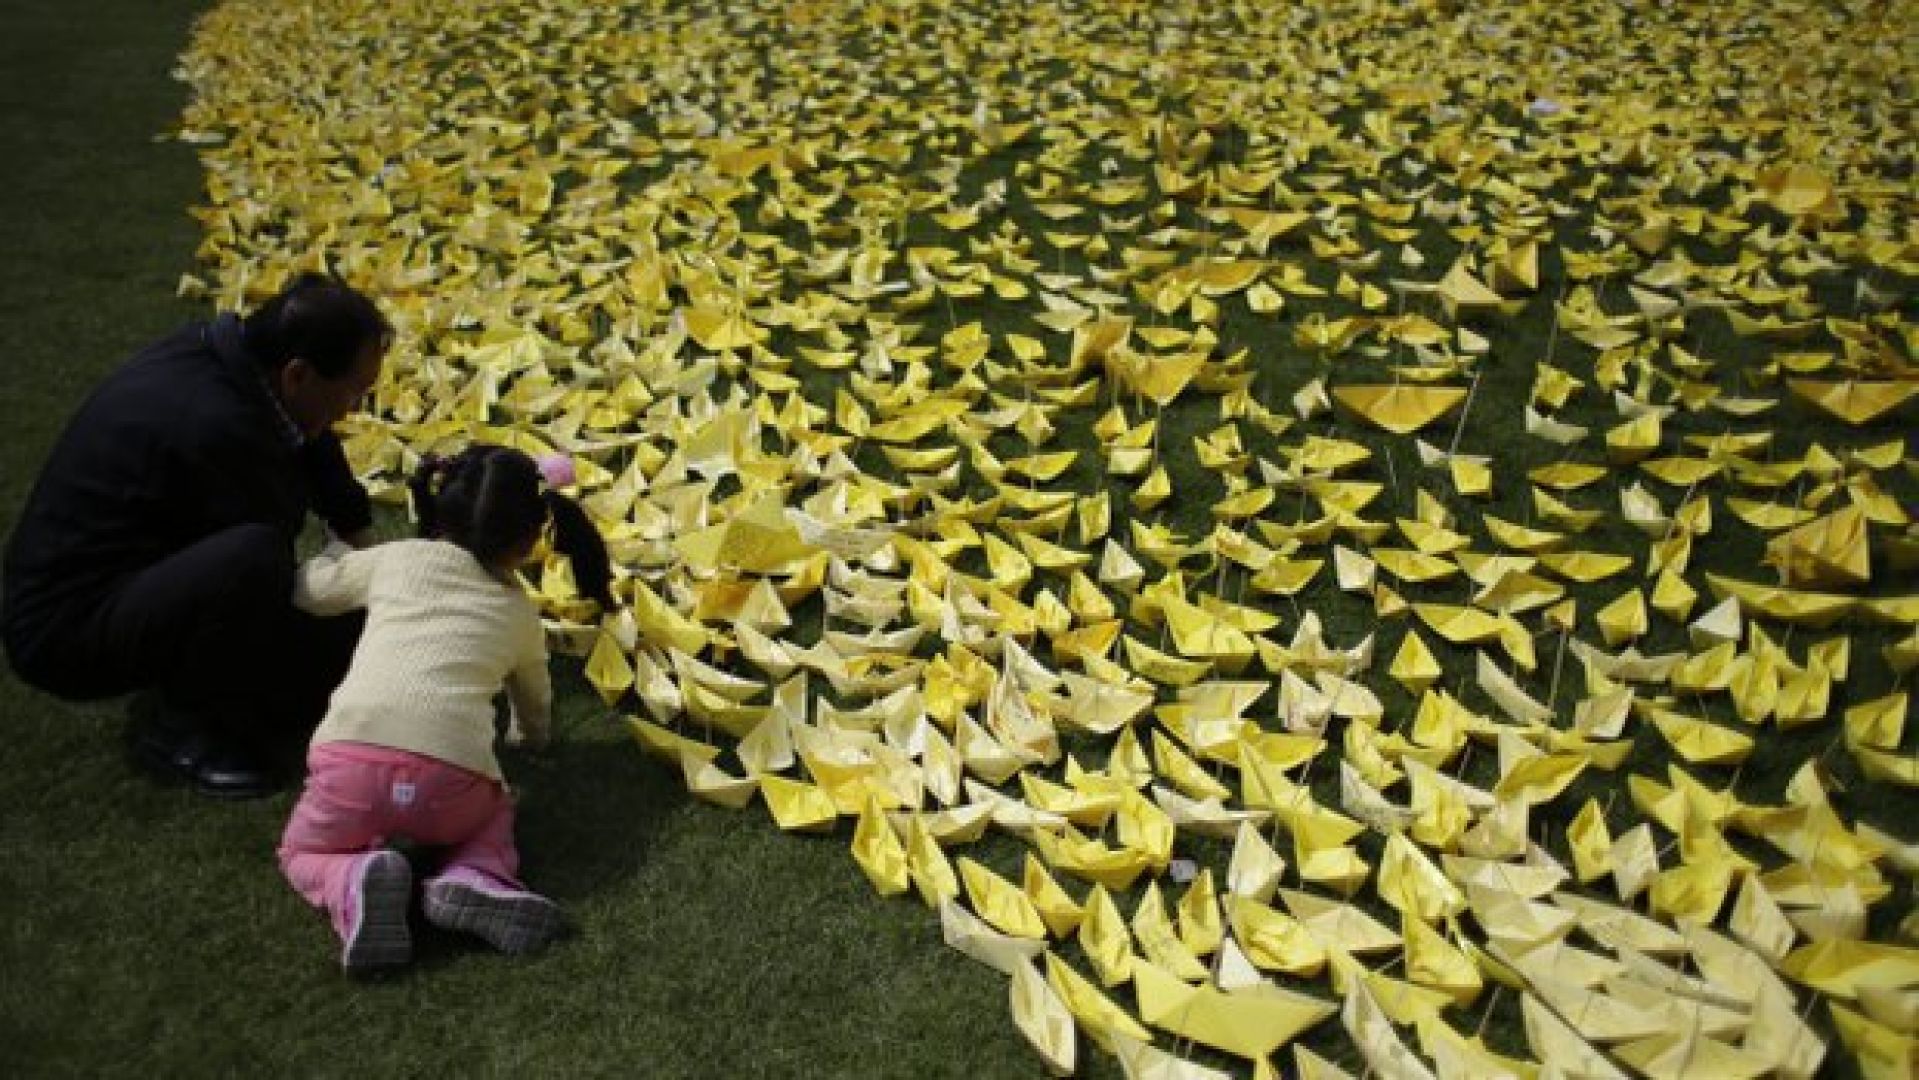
{"type": "Point", "coordinates": [406, 748]}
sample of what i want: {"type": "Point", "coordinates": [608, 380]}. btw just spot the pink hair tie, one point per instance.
{"type": "Point", "coordinates": [557, 469]}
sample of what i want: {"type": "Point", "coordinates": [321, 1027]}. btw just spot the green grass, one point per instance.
{"type": "Point", "coordinates": [147, 931]}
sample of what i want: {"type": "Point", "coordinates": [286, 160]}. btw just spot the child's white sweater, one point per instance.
{"type": "Point", "coordinates": [442, 637]}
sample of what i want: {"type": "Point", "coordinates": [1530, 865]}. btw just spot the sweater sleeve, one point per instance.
{"type": "Point", "coordinates": [338, 497]}
{"type": "Point", "coordinates": [529, 691]}
{"type": "Point", "coordinates": [335, 581]}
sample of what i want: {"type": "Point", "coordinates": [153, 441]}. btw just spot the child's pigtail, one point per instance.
{"type": "Point", "coordinates": [576, 537]}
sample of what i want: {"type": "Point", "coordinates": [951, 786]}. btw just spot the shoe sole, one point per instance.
{"type": "Point", "coordinates": [513, 923]}
{"type": "Point", "coordinates": [382, 939]}
{"type": "Point", "coordinates": [237, 792]}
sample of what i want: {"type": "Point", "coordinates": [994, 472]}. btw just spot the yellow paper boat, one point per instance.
{"type": "Point", "coordinates": [1104, 939]}
{"type": "Point", "coordinates": [1855, 401]}
{"type": "Point", "coordinates": [1070, 853]}
{"type": "Point", "coordinates": [879, 852]}
{"type": "Point", "coordinates": [1816, 609]}
{"type": "Point", "coordinates": [1159, 941]}
{"type": "Point", "coordinates": [1102, 1018]}
{"type": "Point", "coordinates": [1831, 550]}
{"type": "Point", "coordinates": [1061, 913]}
{"type": "Point", "coordinates": [1554, 1040]}
{"type": "Point", "coordinates": [1043, 1018]}
{"type": "Point", "coordinates": [1463, 293]}
{"type": "Point", "coordinates": [927, 865]}
{"type": "Point", "coordinates": [798, 806]}
{"type": "Point", "coordinates": [1001, 904]}
{"type": "Point", "coordinates": [1796, 189]}
{"type": "Point", "coordinates": [964, 931]}
{"type": "Point", "coordinates": [1400, 408]}
{"type": "Point", "coordinates": [1251, 1024]}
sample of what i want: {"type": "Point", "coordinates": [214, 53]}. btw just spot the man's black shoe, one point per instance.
{"type": "Point", "coordinates": [227, 771]}
{"type": "Point", "coordinates": [182, 748]}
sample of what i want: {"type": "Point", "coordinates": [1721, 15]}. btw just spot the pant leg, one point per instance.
{"type": "Point", "coordinates": [471, 816]}
{"type": "Point", "coordinates": [340, 818]}
{"type": "Point", "coordinates": [295, 678]}
{"type": "Point", "coordinates": [491, 853]}
{"type": "Point", "coordinates": [214, 628]}
{"type": "Point", "coordinates": [167, 622]}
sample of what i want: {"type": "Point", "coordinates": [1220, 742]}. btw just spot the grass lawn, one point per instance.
{"type": "Point", "coordinates": [148, 931]}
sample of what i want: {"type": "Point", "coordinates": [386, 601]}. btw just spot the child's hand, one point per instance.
{"type": "Point", "coordinates": [519, 738]}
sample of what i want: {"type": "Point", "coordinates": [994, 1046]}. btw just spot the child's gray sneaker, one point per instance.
{"type": "Point", "coordinates": [380, 938]}
{"type": "Point", "coordinates": [511, 920]}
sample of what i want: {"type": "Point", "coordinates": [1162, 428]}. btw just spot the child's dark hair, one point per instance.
{"type": "Point", "coordinates": [490, 501]}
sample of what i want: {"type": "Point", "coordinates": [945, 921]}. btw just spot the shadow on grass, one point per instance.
{"type": "Point", "coordinates": [588, 808]}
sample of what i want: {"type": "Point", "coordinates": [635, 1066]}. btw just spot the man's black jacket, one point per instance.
{"type": "Point", "coordinates": [181, 442]}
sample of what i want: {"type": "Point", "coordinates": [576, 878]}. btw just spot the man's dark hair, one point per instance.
{"type": "Point", "coordinates": [319, 319]}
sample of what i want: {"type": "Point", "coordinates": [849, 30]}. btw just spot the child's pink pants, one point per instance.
{"type": "Point", "coordinates": [358, 797]}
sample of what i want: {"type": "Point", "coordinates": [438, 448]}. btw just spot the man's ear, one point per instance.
{"type": "Point", "coordinates": [295, 375]}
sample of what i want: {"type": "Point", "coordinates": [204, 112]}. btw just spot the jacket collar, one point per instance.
{"type": "Point", "coordinates": [230, 348]}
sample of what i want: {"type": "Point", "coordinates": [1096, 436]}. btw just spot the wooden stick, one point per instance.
{"type": "Point", "coordinates": [1465, 410]}
{"type": "Point", "coordinates": [1559, 657]}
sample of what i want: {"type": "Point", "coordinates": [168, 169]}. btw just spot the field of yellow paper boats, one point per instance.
{"type": "Point", "coordinates": [1401, 511]}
